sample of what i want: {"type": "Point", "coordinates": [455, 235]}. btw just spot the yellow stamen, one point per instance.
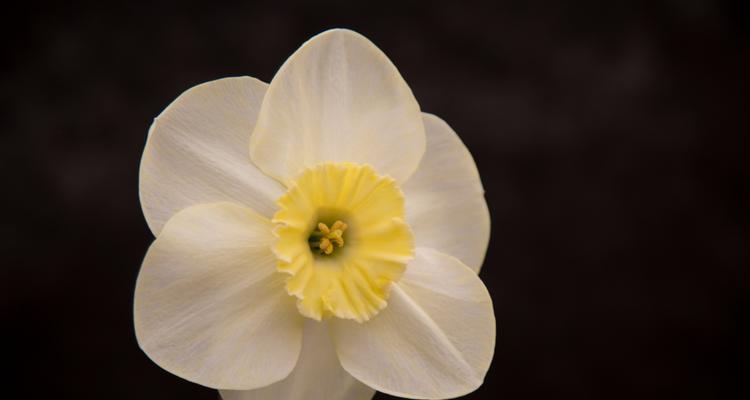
{"type": "Point", "coordinates": [325, 246]}
{"type": "Point", "coordinates": [329, 236]}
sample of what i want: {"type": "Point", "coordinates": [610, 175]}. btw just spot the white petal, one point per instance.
{"type": "Point", "coordinates": [338, 98]}
{"type": "Point", "coordinates": [209, 304]}
{"type": "Point", "coordinates": [317, 376]}
{"type": "Point", "coordinates": [434, 340]}
{"type": "Point", "coordinates": [196, 152]}
{"type": "Point", "coordinates": [445, 204]}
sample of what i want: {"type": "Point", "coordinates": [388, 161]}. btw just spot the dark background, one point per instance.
{"type": "Point", "coordinates": [612, 140]}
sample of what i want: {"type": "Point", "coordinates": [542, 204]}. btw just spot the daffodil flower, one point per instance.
{"type": "Point", "coordinates": [317, 238]}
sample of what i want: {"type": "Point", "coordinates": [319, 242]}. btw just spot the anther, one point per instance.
{"type": "Point", "coordinates": [328, 237]}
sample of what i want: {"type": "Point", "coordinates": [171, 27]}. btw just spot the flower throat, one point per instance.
{"type": "Point", "coordinates": [325, 239]}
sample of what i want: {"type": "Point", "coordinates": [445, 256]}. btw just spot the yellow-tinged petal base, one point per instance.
{"type": "Point", "coordinates": [342, 238]}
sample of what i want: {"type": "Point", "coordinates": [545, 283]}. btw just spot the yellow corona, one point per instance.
{"type": "Point", "coordinates": [342, 238]}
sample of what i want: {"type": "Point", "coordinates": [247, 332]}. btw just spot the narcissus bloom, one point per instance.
{"type": "Point", "coordinates": [317, 238]}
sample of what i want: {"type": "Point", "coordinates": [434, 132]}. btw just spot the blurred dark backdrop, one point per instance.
{"type": "Point", "coordinates": [612, 140]}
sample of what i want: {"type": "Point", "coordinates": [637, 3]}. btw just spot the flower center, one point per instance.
{"type": "Point", "coordinates": [324, 238]}
{"type": "Point", "coordinates": [342, 269]}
